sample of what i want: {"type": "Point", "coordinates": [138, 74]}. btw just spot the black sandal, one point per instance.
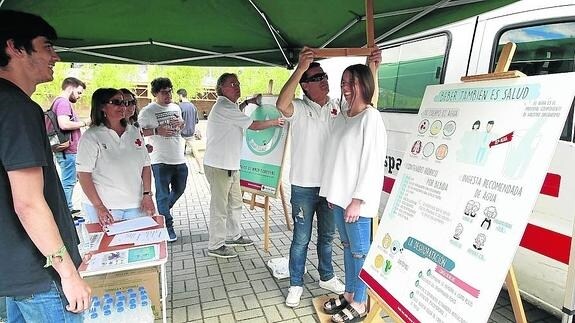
{"type": "Point", "coordinates": [349, 315]}
{"type": "Point", "coordinates": [330, 307]}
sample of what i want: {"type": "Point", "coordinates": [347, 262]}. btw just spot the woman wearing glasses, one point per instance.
{"type": "Point", "coordinates": [112, 163]}
{"type": "Point", "coordinates": [131, 107]}
{"type": "Point", "coordinates": [351, 183]}
{"type": "Point", "coordinates": [132, 112]}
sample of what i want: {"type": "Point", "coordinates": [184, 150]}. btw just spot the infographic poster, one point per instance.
{"type": "Point", "coordinates": [468, 182]}
{"type": "Point", "coordinates": [263, 151]}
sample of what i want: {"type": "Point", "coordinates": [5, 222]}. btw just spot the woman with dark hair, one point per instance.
{"type": "Point", "coordinates": [112, 163]}
{"type": "Point", "coordinates": [351, 183]}
{"type": "Point", "coordinates": [131, 107]}
{"type": "Point", "coordinates": [132, 113]}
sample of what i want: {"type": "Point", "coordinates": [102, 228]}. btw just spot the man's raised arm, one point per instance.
{"type": "Point", "coordinates": [284, 102]}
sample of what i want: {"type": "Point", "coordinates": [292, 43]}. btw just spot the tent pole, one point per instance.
{"type": "Point", "coordinates": [429, 9]}
{"type": "Point", "coordinates": [369, 31]}
{"type": "Point", "coordinates": [273, 32]}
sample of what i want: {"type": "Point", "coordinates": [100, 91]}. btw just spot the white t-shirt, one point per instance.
{"type": "Point", "coordinates": [167, 150]}
{"type": "Point", "coordinates": [224, 134]}
{"type": "Point", "coordinates": [310, 128]}
{"type": "Point", "coordinates": [116, 164]}
{"type": "Point", "coordinates": [354, 159]}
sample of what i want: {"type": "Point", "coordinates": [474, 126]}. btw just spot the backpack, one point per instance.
{"type": "Point", "coordinates": [59, 139]}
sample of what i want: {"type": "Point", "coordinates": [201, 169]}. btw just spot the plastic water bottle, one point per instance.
{"type": "Point", "coordinates": [120, 316]}
{"type": "Point", "coordinates": [146, 316]}
{"type": "Point", "coordinates": [91, 315]}
{"type": "Point", "coordinates": [107, 317]}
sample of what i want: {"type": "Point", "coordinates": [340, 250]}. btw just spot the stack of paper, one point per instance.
{"type": "Point", "coordinates": [131, 225]}
{"type": "Point", "coordinates": [140, 237]}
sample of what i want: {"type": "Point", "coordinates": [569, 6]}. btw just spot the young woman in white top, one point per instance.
{"type": "Point", "coordinates": [113, 165]}
{"type": "Point", "coordinates": [352, 180]}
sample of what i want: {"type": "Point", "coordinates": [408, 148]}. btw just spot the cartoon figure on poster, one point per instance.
{"type": "Point", "coordinates": [475, 144]}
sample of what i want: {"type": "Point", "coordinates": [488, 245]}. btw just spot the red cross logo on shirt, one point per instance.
{"type": "Point", "coordinates": [138, 142]}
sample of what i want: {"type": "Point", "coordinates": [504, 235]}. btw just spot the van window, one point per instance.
{"type": "Point", "coordinates": [543, 49]}
{"type": "Point", "coordinates": [406, 70]}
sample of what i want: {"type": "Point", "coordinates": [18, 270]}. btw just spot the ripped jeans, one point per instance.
{"type": "Point", "coordinates": [305, 201]}
{"type": "Point", "coordinates": [356, 240]}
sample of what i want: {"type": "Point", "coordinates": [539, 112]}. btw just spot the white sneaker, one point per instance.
{"type": "Point", "coordinates": [333, 285]}
{"type": "Point", "coordinates": [294, 295]}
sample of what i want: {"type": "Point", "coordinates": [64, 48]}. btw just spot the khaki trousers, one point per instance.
{"type": "Point", "coordinates": [225, 206]}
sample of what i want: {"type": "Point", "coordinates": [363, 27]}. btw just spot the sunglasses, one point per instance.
{"type": "Point", "coordinates": [130, 102]}
{"type": "Point", "coordinates": [316, 78]}
{"type": "Point", "coordinates": [118, 102]}
{"type": "Point", "coordinates": [234, 84]}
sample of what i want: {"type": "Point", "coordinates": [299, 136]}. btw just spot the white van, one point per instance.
{"type": "Point", "coordinates": [544, 32]}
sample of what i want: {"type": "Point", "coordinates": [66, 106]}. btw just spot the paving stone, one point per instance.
{"type": "Point", "coordinates": [214, 282]}
{"type": "Point", "coordinates": [186, 301]}
{"type": "Point", "coordinates": [194, 312]}
{"type": "Point", "coordinates": [249, 314]}
{"type": "Point", "coordinates": [286, 312]}
{"type": "Point", "coordinates": [217, 311]}
{"type": "Point", "coordinates": [240, 292]}
{"type": "Point", "coordinates": [214, 304]}
{"type": "Point", "coordinates": [219, 293]}
{"type": "Point", "coordinates": [236, 286]}
{"type": "Point", "coordinates": [179, 315]}
{"type": "Point", "coordinates": [308, 319]}
{"type": "Point", "coordinates": [184, 295]}
{"type": "Point", "coordinates": [238, 304]}
{"type": "Point", "coordinates": [272, 314]}
{"type": "Point", "coordinates": [251, 301]}
{"type": "Point", "coordinates": [213, 320]}
{"type": "Point", "coordinates": [228, 318]}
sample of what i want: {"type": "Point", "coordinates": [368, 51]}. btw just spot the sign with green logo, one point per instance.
{"type": "Point", "coordinates": [263, 151]}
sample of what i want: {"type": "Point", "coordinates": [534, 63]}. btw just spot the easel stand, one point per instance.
{"type": "Point", "coordinates": [378, 305]}
{"type": "Point", "coordinates": [265, 205]}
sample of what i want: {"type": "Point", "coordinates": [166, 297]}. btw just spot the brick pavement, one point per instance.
{"type": "Point", "coordinates": [207, 289]}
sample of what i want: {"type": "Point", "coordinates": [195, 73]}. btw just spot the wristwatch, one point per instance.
{"type": "Point", "coordinates": [148, 193]}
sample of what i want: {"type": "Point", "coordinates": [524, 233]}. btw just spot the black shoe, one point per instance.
{"type": "Point", "coordinates": [76, 218]}
{"type": "Point", "coordinates": [74, 211]}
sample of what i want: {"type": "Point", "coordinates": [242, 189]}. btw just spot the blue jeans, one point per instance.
{"type": "Point", "coordinates": [68, 178]}
{"type": "Point", "coordinates": [2, 309]}
{"type": "Point", "coordinates": [49, 306]}
{"type": "Point", "coordinates": [355, 238]}
{"type": "Point", "coordinates": [305, 201]}
{"type": "Point", "coordinates": [170, 185]}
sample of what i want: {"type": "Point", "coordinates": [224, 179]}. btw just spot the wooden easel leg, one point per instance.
{"type": "Point", "coordinates": [374, 313]}
{"type": "Point", "coordinates": [266, 224]}
{"type": "Point", "coordinates": [516, 304]}
{"type": "Point", "coordinates": [253, 202]}
{"type": "Point", "coordinates": [284, 205]}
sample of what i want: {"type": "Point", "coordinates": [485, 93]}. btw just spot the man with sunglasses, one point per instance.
{"type": "Point", "coordinates": [310, 119]}
{"type": "Point", "coordinates": [63, 107]}
{"type": "Point", "coordinates": [162, 123]}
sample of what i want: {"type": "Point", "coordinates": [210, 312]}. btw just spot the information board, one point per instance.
{"type": "Point", "coordinates": [263, 151]}
{"type": "Point", "coordinates": [470, 177]}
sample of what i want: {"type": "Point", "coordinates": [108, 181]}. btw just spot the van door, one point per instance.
{"type": "Point", "coordinates": [545, 39]}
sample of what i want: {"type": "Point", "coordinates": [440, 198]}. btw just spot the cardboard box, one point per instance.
{"type": "Point", "coordinates": [148, 277]}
